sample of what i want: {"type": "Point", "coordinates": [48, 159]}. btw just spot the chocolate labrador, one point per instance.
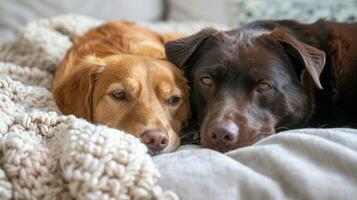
{"type": "Point", "coordinates": [267, 76]}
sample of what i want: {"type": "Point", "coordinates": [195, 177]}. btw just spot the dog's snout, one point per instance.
{"type": "Point", "coordinates": [224, 134]}
{"type": "Point", "coordinates": [155, 140]}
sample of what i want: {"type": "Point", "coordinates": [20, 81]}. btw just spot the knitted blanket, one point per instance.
{"type": "Point", "coordinates": [46, 155]}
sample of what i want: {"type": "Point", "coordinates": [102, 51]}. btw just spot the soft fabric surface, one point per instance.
{"type": "Point", "coordinates": [239, 12]}
{"type": "Point", "coordinates": [306, 11]}
{"type": "Point", "coordinates": [297, 164]}
{"type": "Point", "coordinates": [14, 14]}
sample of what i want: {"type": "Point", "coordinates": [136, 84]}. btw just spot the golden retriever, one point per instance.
{"type": "Point", "coordinates": [117, 74]}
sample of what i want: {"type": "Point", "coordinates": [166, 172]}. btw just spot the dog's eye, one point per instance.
{"type": "Point", "coordinates": [119, 95]}
{"type": "Point", "coordinates": [206, 80]}
{"type": "Point", "coordinates": [263, 86]}
{"type": "Point", "coordinates": [173, 100]}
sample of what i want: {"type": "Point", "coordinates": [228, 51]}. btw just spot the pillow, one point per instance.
{"type": "Point", "coordinates": [215, 11]}
{"type": "Point", "coordinates": [301, 10]}
{"type": "Point", "coordinates": [239, 12]}
{"type": "Point", "coordinates": [16, 13]}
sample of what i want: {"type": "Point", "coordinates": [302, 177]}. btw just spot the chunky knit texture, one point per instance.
{"type": "Point", "coordinates": [45, 155]}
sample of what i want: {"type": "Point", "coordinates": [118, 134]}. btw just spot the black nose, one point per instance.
{"type": "Point", "coordinates": [224, 134]}
{"type": "Point", "coordinates": [155, 140]}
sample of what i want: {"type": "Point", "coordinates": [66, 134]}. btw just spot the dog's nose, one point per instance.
{"type": "Point", "coordinates": [155, 140]}
{"type": "Point", "coordinates": [224, 134]}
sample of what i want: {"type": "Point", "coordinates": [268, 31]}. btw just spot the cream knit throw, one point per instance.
{"type": "Point", "coordinates": [45, 155]}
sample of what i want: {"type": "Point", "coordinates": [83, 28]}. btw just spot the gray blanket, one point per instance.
{"type": "Point", "coordinates": [298, 164]}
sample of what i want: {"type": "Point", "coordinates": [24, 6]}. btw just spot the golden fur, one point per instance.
{"type": "Point", "coordinates": [123, 56]}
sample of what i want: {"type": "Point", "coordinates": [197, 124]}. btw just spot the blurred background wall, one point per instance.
{"type": "Point", "coordinates": [15, 13]}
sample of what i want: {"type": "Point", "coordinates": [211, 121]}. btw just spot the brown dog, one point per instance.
{"type": "Point", "coordinates": [267, 76]}
{"type": "Point", "coordinates": [117, 75]}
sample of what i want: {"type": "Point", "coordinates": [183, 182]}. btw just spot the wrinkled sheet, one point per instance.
{"type": "Point", "coordinates": [296, 164]}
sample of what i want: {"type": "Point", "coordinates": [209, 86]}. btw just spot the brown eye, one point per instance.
{"type": "Point", "coordinates": [206, 80]}
{"type": "Point", "coordinates": [264, 86]}
{"type": "Point", "coordinates": [173, 100]}
{"type": "Point", "coordinates": [119, 95]}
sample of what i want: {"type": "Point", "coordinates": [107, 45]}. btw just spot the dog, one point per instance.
{"type": "Point", "coordinates": [267, 76]}
{"type": "Point", "coordinates": [117, 75]}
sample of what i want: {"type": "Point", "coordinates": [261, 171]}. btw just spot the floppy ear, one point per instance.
{"type": "Point", "coordinates": [74, 94]}
{"type": "Point", "coordinates": [179, 51]}
{"type": "Point", "coordinates": [313, 58]}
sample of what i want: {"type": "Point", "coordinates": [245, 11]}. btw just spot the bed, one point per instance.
{"type": "Point", "coordinates": [45, 155]}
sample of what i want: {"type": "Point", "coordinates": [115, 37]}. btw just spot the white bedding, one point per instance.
{"type": "Point", "coordinates": [45, 155]}
{"type": "Point", "coordinates": [298, 164]}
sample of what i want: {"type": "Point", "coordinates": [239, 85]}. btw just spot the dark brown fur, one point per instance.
{"type": "Point", "coordinates": [269, 76]}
